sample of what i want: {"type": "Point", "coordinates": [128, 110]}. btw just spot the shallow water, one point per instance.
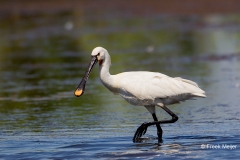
{"type": "Point", "coordinates": [43, 58]}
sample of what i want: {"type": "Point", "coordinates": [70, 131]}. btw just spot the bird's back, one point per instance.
{"type": "Point", "coordinates": [144, 88]}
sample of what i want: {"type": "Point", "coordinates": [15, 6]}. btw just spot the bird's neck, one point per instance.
{"type": "Point", "coordinates": [104, 72]}
{"type": "Point", "coordinates": [105, 76]}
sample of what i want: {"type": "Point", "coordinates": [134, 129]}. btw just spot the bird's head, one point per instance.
{"type": "Point", "coordinates": [100, 53]}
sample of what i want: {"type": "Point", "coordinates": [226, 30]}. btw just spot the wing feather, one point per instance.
{"type": "Point", "coordinates": [151, 85]}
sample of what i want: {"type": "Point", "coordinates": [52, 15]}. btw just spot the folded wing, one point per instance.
{"type": "Point", "coordinates": [151, 85]}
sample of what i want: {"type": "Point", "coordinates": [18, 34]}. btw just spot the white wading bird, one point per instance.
{"type": "Point", "coordinates": [142, 88]}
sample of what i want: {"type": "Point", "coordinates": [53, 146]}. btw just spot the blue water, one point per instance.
{"type": "Point", "coordinates": [42, 62]}
{"type": "Point", "coordinates": [71, 145]}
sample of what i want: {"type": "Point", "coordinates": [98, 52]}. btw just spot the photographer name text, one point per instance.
{"type": "Point", "coordinates": [218, 146]}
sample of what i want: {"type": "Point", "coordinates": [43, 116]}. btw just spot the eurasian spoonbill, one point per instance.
{"type": "Point", "coordinates": [142, 88]}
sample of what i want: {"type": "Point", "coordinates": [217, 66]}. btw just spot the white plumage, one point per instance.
{"type": "Point", "coordinates": [146, 88]}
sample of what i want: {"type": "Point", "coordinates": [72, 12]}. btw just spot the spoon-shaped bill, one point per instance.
{"type": "Point", "coordinates": [80, 89]}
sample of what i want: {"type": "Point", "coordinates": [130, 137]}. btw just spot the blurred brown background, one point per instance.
{"type": "Point", "coordinates": [139, 7]}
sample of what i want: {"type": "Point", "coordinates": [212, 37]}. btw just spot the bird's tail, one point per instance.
{"type": "Point", "coordinates": [203, 95]}
{"type": "Point", "coordinates": [196, 91]}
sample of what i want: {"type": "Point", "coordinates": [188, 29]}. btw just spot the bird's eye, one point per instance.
{"type": "Point", "coordinates": [98, 54]}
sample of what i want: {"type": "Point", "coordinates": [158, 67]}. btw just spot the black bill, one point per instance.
{"type": "Point", "coordinates": [80, 89]}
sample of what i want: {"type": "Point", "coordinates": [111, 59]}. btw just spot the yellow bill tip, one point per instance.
{"type": "Point", "coordinates": [78, 92]}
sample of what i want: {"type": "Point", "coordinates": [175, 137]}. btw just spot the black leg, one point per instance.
{"type": "Point", "coordinates": [159, 129]}
{"type": "Point", "coordinates": [143, 128]}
